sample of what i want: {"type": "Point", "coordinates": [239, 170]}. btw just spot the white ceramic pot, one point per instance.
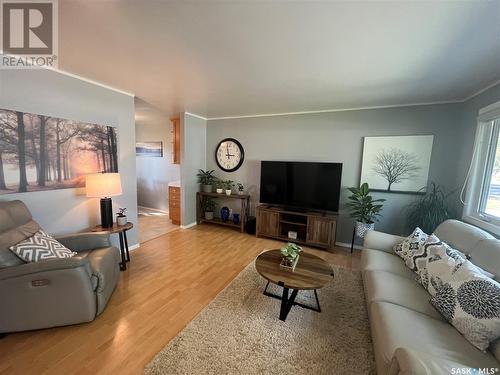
{"type": "Point", "coordinates": [228, 191]}
{"type": "Point", "coordinates": [220, 191]}
{"type": "Point", "coordinates": [209, 215]}
{"type": "Point", "coordinates": [121, 220]}
{"type": "Point", "coordinates": [362, 228]}
{"type": "Point", "coordinates": [241, 192]}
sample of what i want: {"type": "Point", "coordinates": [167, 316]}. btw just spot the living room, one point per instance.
{"type": "Point", "coordinates": [258, 123]}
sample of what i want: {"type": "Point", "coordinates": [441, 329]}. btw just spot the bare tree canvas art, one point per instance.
{"type": "Point", "coordinates": [39, 152]}
{"type": "Point", "coordinates": [397, 164]}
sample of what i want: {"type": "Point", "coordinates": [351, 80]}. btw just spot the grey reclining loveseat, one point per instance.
{"type": "Point", "coordinates": [53, 292]}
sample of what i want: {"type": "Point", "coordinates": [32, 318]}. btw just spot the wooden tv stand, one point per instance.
{"type": "Point", "coordinates": [313, 228]}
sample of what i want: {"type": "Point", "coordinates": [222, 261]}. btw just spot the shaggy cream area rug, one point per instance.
{"type": "Point", "coordinates": [240, 332]}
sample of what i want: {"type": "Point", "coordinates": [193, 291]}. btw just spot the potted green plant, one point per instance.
{"type": "Point", "coordinates": [429, 210]}
{"type": "Point", "coordinates": [205, 179]}
{"type": "Point", "coordinates": [208, 207]}
{"type": "Point", "coordinates": [121, 218]}
{"type": "Point", "coordinates": [241, 188]}
{"type": "Point", "coordinates": [290, 256]}
{"type": "Point", "coordinates": [228, 185]}
{"type": "Point", "coordinates": [219, 186]}
{"type": "Point", "coordinates": [364, 209]}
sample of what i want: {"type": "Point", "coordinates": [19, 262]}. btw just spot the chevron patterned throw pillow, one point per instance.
{"type": "Point", "coordinates": [39, 247]}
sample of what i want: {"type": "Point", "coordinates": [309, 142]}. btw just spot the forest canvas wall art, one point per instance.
{"type": "Point", "coordinates": [398, 164]}
{"type": "Point", "coordinates": [39, 152]}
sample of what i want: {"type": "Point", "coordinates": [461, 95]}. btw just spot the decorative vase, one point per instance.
{"type": "Point", "coordinates": [224, 214]}
{"type": "Point", "coordinates": [121, 220]}
{"type": "Point", "coordinates": [362, 228]}
{"type": "Point", "coordinates": [228, 191]}
{"type": "Point", "coordinates": [206, 188]}
{"type": "Point", "coordinates": [209, 215]}
{"type": "Point", "coordinates": [220, 191]}
{"type": "Point", "coordinates": [236, 218]}
{"type": "Point", "coordinates": [241, 192]}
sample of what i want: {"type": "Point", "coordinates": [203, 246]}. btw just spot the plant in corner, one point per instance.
{"type": "Point", "coordinates": [208, 207]}
{"type": "Point", "coordinates": [429, 210]}
{"type": "Point", "coordinates": [290, 253]}
{"type": "Point", "coordinates": [206, 179]}
{"type": "Point", "coordinates": [364, 208]}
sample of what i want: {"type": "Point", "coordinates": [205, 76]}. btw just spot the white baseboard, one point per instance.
{"type": "Point", "coordinates": [188, 225]}
{"type": "Point", "coordinates": [348, 245]}
{"type": "Point", "coordinates": [152, 209]}
{"type": "Point", "coordinates": [133, 247]}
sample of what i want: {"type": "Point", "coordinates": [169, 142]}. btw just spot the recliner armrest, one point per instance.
{"type": "Point", "coordinates": [85, 241]}
{"type": "Point", "coordinates": [48, 265]}
{"type": "Point", "coordinates": [381, 241]}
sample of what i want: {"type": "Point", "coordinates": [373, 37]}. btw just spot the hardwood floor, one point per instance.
{"type": "Point", "coordinates": [153, 224]}
{"type": "Point", "coordinates": [169, 281]}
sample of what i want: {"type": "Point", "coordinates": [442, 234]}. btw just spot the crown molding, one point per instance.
{"type": "Point", "coordinates": [197, 116]}
{"type": "Point", "coordinates": [332, 110]}
{"type": "Point", "coordinates": [481, 91]}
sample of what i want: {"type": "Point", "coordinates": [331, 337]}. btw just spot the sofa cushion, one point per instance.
{"type": "Point", "coordinates": [471, 302]}
{"type": "Point", "coordinates": [394, 326]}
{"type": "Point", "coordinates": [375, 260]}
{"type": "Point", "coordinates": [11, 237]}
{"type": "Point", "coordinates": [39, 247]}
{"type": "Point", "coordinates": [461, 236]}
{"type": "Point", "coordinates": [486, 254]}
{"type": "Point", "coordinates": [399, 290]}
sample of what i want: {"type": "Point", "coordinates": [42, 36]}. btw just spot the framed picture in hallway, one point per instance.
{"type": "Point", "coordinates": [40, 152]}
{"type": "Point", "coordinates": [152, 149]}
{"type": "Point", "coordinates": [398, 164]}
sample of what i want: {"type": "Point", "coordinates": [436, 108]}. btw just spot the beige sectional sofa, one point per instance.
{"type": "Point", "coordinates": [409, 335]}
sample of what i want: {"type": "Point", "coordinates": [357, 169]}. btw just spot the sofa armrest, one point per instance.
{"type": "Point", "coordinates": [85, 241]}
{"type": "Point", "coordinates": [381, 241]}
{"type": "Point", "coordinates": [45, 266]}
{"type": "Point", "coordinates": [411, 362]}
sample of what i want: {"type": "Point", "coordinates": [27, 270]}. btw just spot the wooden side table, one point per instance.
{"type": "Point", "coordinates": [122, 233]}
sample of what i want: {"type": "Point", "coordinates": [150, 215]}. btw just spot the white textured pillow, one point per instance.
{"type": "Point", "coordinates": [470, 301]}
{"type": "Point", "coordinates": [39, 247]}
{"type": "Point", "coordinates": [411, 245]}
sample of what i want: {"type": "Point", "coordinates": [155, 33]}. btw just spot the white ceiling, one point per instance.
{"type": "Point", "coordinates": [222, 58]}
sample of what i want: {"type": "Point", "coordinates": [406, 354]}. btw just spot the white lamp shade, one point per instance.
{"type": "Point", "coordinates": [100, 185]}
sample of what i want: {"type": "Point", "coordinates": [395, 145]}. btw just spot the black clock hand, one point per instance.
{"type": "Point", "coordinates": [227, 154]}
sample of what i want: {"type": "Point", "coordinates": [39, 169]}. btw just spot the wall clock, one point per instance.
{"type": "Point", "coordinates": [229, 154]}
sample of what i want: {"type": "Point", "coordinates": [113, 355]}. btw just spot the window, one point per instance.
{"type": "Point", "coordinates": [482, 205]}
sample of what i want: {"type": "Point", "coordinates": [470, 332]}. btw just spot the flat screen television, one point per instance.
{"type": "Point", "coordinates": [301, 185]}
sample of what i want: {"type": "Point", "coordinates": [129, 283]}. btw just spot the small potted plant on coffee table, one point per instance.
{"type": "Point", "coordinates": [228, 184]}
{"type": "Point", "coordinates": [205, 179]}
{"type": "Point", "coordinates": [364, 209]}
{"type": "Point", "coordinates": [290, 256]}
{"type": "Point", "coordinates": [208, 208]}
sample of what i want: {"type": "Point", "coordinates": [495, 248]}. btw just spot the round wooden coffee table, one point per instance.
{"type": "Point", "coordinates": [311, 273]}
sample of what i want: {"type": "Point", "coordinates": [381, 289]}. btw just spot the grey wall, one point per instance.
{"type": "Point", "coordinates": [50, 93]}
{"type": "Point", "coordinates": [154, 174]}
{"type": "Point", "coordinates": [338, 137]}
{"type": "Point", "coordinates": [193, 157]}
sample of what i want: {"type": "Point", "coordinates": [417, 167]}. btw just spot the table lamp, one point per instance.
{"type": "Point", "coordinates": [104, 186]}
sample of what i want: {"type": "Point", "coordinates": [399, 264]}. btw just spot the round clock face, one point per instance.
{"type": "Point", "coordinates": [229, 154]}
